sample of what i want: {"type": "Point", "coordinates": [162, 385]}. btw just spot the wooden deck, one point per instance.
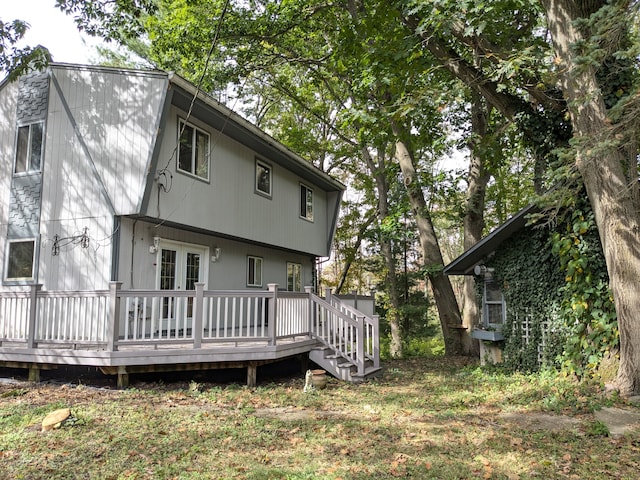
{"type": "Point", "coordinates": [126, 331]}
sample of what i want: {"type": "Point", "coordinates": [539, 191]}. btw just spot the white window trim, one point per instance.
{"type": "Point", "coordinates": [21, 280]}
{"type": "Point", "coordinates": [486, 303]}
{"type": "Point", "coordinates": [256, 260]}
{"type": "Point", "coordinates": [182, 121]}
{"type": "Point", "coordinates": [267, 166]}
{"type": "Point", "coordinates": [306, 216]}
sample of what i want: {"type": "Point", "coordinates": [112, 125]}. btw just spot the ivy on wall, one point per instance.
{"type": "Point", "coordinates": [560, 311]}
{"type": "Point", "coordinates": [531, 281]}
{"type": "Point", "coordinates": [587, 304]}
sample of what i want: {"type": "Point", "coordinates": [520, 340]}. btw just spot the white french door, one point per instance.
{"type": "Point", "coordinates": [180, 267]}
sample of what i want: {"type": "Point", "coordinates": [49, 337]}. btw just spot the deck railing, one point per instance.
{"type": "Point", "coordinates": [117, 318]}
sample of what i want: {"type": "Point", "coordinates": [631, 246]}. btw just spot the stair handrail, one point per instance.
{"type": "Point", "coordinates": [357, 341]}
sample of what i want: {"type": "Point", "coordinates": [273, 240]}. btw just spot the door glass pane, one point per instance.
{"type": "Point", "coordinates": [167, 279]}
{"type": "Point", "coordinates": [192, 277]}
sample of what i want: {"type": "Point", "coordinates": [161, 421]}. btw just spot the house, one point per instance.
{"type": "Point", "coordinates": [132, 202]}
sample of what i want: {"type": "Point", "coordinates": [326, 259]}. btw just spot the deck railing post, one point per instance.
{"type": "Point", "coordinates": [113, 319]}
{"type": "Point", "coordinates": [197, 316]}
{"type": "Point", "coordinates": [273, 312]}
{"type": "Point", "coordinates": [33, 315]}
{"type": "Point", "coordinates": [360, 343]}
{"type": "Point", "coordinates": [375, 340]}
{"type": "Point", "coordinates": [309, 291]}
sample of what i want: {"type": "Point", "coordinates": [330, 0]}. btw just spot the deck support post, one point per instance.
{"type": "Point", "coordinates": [33, 312]}
{"type": "Point", "coordinates": [114, 316]}
{"type": "Point", "coordinates": [197, 320]}
{"type": "Point", "coordinates": [273, 313]}
{"type": "Point", "coordinates": [123, 377]}
{"type": "Point", "coordinates": [252, 374]}
{"type": "Point", "coordinates": [34, 373]}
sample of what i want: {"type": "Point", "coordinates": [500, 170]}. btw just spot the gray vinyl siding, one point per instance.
{"type": "Point", "coordinates": [228, 204]}
{"type": "Point", "coordinates": [228, 273]}
{"type": "Point", "coordinates": [101, 129]}
{"type": "Point", "coordinates": [8, 95]}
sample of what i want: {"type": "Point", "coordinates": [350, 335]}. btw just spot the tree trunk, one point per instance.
{"type": "Point", "coordinates": [443, 295]}
{"type": "Point", "coordinates": [393, 315]}
{"type": "Point", "coordinates": [473, 220]}
{"type": "Point", "coordinates": [612, 199]}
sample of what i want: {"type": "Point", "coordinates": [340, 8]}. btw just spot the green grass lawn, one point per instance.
{"type": "Point", "coordinates": [428, 418]}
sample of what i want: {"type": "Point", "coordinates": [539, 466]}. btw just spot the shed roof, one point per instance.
{"type": "Point", "coordinates": [464, 264]}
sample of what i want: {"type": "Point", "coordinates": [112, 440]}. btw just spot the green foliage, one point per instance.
{"type": "Point", "coordinates": [556, 279]}
{"type": "Point", "coordinates": [587, 305]}
{"type": "Point", "coordinates": [530, 281]}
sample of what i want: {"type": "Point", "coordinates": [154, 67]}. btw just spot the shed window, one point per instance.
{"type": "Point", "coordinates": [493, 304]}
{"type": "Point", "coordinates": [21, 259]}
{"type": "Point", "coordinates": [29, 148]}
{"type": "Point", "coordinates": [254, 271]}
{"type": "Point", "coordinates": [306, 202]}
{"type": "Point", "coordinates": [193, 153]}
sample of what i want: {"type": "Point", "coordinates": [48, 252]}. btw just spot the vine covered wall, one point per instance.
{"type": "Point", "coordinates": [560, 312]}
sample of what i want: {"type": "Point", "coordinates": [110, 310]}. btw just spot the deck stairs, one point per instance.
{"type": "Point", "coordinates": [348, 340]}
{"type": "Point", "coordinates": [342, 368]}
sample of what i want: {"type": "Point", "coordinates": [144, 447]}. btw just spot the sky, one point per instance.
{"type": "Point", "coordinates": [50, 28]}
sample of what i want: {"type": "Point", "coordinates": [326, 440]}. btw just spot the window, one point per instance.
{"type": "Point", "coordinates": [493, 304]}
{"type": "Point", "coordinates": [254, 271]}
{"type": "Point", "coordinates": [21, 259]}
{"type": "Point", "coordinates": [193, 154]}
{"type": "Point", "coordinates": [294, 277]}
{"type": "Point", "coordinates": [306, 202]}
{"type": "Point", "coordinates": [29, 148]}
{"type": "Point", "coordinates": [263, 178]}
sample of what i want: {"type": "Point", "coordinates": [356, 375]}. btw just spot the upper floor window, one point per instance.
{"type": "Point", "coordinates": [193, 153]}
{"type": "Point", "coordinates": [254, 271]}
{"type": "Point", "coordinates": [306, 202]}
{"type": "Point", "coordinates": [29, 148]}
{"type": "Point", "coordinates": [20, 259]}
{"type": "Point", "coordinates": [294, 277]}
{"type": "Point", "coordinates": [263, 178]}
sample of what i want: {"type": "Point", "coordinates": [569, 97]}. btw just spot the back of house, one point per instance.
{"type": "Point", "coordinates": [137, 177]}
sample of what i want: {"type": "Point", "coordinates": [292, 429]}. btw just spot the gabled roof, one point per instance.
{"type": "Point", "coordinates": [464, 264]}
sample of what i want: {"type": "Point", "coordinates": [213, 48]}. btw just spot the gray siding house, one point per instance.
{"type": "Point", "coordinates": [143, 223]}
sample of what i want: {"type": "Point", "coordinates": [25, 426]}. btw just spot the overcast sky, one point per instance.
{"type": "Point", "coordinates": [49, 28]}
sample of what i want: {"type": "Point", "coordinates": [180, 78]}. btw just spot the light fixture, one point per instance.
{"type": "Point", "coordinates": [216, 254]}
{"type": "Point", "coordinates": [156, 244]}
{"type": "Point", "coordinates": [483, 270]}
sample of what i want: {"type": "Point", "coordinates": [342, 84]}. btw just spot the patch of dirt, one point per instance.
{"type": "Point", "coordinates": [294, 414]}
{"type": "Point", "coordinates": [541, 421]}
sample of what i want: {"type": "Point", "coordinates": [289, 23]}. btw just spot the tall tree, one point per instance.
{"type": "Point", "coordinates": [603, 165]}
